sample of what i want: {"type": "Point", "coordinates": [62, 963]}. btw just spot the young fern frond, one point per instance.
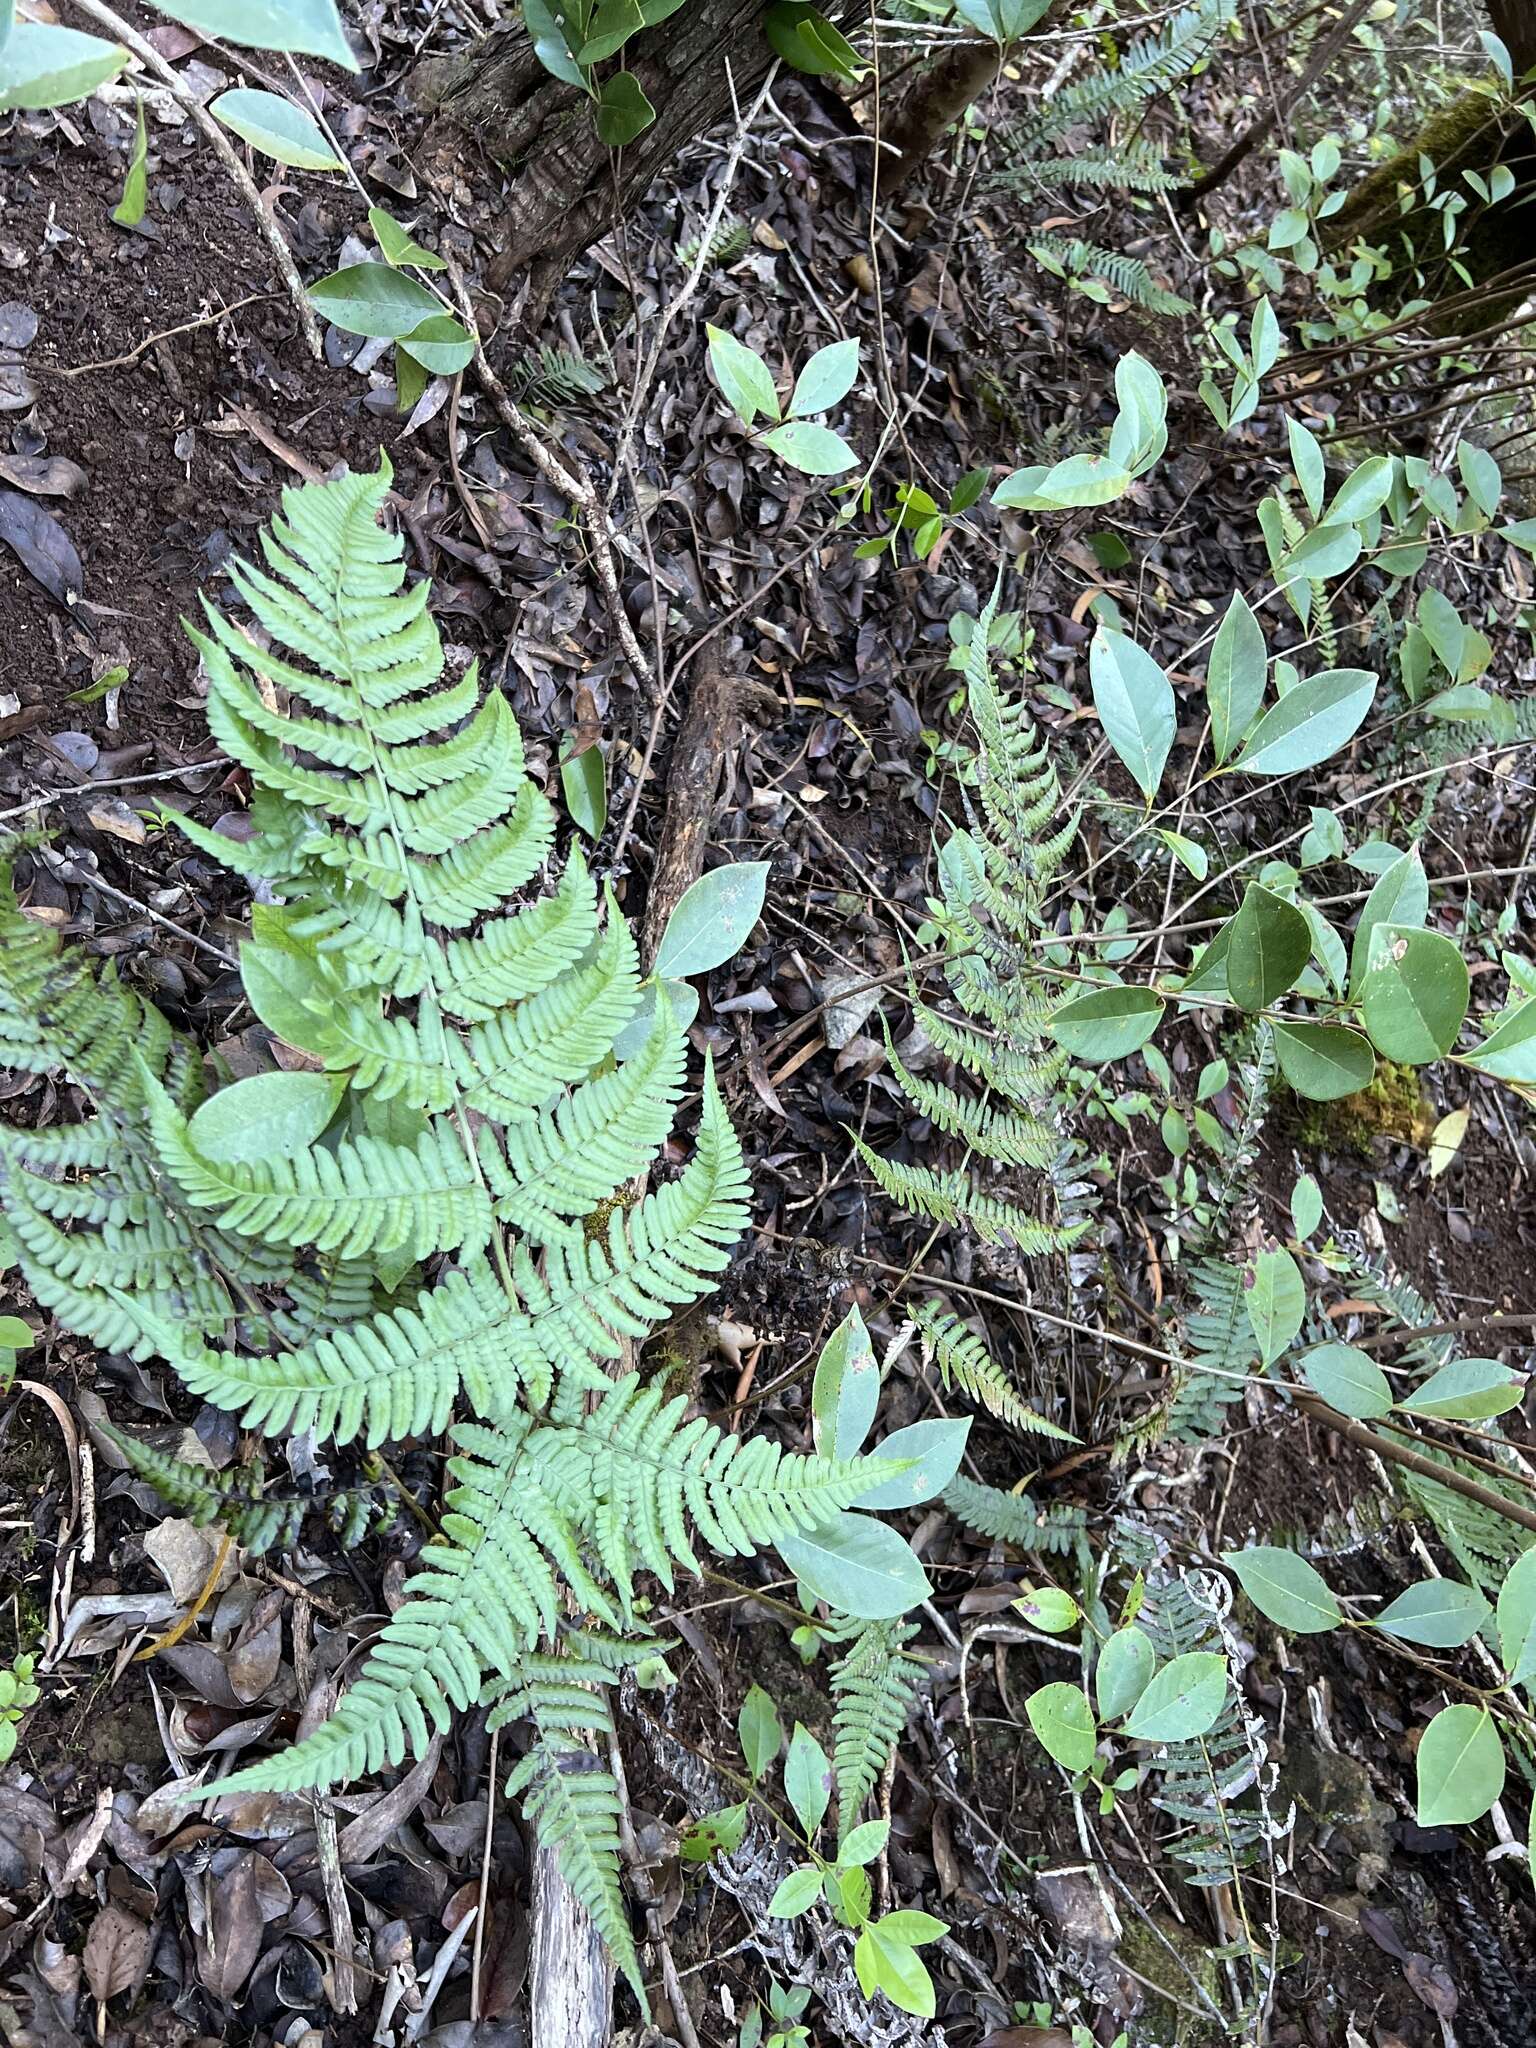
{"type": "Point", "coordinates": [873, 1686]}
{"type": "Point", "coordinates": [965, 1362]}
{"type": "Point", "coordinates": [1127, 276]}
{"type": "Point", "coordinates": [1013, 1517]}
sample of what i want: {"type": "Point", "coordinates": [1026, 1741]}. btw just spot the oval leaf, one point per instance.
{"type": "Point", "coordinates": [845, 1390]}
{"type": "Point", "coordinates": [826, 378]}
{"type": "Point", "coordinates": [935, 1449]}
{"type": "Point", "coordinates": [1107, 1023]}
{"type": "Point", "coordinates": [1517, 1619]}
{"type": "Point", "coordinates": [1063, 1720]}
{"type": "Point", "coordinates": [1438, 1613]}
{"type": "Point", "coordinates": [1460, 1767]}
{"type": "Point", "coordinates": [1399, 895]}
{"type": "Point", "coordinates": [813, 450]}
{"type": "Point", "coordinates": [45, 66]}
{"type": "Point", "coordinates": [277, 128]}
{"type": "Point", "coordinates": [372, 299]}
{"type": "Point", "coordinates": [310, 28]}
{"type": "Point", "coordinates": [1324, 1061]}
{"type": "Point", "coordinates": [1347, 1380]}
{"type": "Point", "coordinates": [857, 1565]}
{"type": "Point", "coordinates": [1276, 1302]}
{"type": "Point", "coordinates": [266, 1116]}
{"type": "Point", "coordinates": [807, 1779]}
{"type": "Point", "coordinates": [1184, 1700]}
{"type": "Point", "coordinates": [1134, 700]}
{"type": "Point", "coordinates": [1467, 1390]}
{"type": "Point", "coordinates": [440, 345]}
{"type": "Point", "coordinates": [1271, 944]}
{"type": "Point", "coordinates": [712, 919]}
{"type": "Point", "coordinates": [1414, 995]}
{"type": "Point", "coordinates": [1285, 1588]}
{"type": "Point", "coordinates": [622, 111]}
{"type": "Point", "coordinates": [744, 378]}
{"type": "Point", "coordinates": [1121, 1675]}
{"type": "Point", "coordinates": [796, 1893]}
{"type": "Point", "coordinates": [1234, 680]}
{"type": "Point", "coordinates": [1309, 723]}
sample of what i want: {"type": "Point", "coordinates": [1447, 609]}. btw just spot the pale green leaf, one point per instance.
{"type": "Point", "coordinates": [712, 919]}
{"type": "Point", "coordinates": [1285, 1588]}
{"type": "Point", "coordinates": [1460, 1767]}
{"type": "Point", "coordinates": [277, 128]}
{"type": "Point", "coordinates": [1134, 700]}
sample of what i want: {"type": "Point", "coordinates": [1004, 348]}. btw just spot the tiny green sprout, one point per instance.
{"type": "Point", "coordinates": [17, 1695]}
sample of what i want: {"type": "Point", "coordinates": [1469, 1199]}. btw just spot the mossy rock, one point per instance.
{"type": "Point", "coordinates": [1162, 2024]}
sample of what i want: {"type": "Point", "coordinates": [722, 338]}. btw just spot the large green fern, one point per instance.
{"type": "Point", "coordinates": [426, 1220]}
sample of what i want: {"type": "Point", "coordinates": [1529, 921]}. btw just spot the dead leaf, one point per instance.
{"type": "Point", "coordinates": [44, 476]}
{"type": "Point", "coordinates": [112, 814]}
{"type": "Point", "coordinates": [1432, 1986]}
{"type": "Point", "coordinates": [244, 1892]}
{"type": "Point", "coordinates": [183, 1555]}
{"type": "Point", "coordinates": [17, 391]}
{"type": "Point", "coordinates": [18, 325]}
{"type": "Point", "coordinates": [116, 1953]}
{"type": "Point", "coordinates": [43, 547]}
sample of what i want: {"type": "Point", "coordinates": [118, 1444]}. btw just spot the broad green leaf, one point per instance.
{"type": "Point", "coordinates": [796, 1893]}
{"type": "Point", "coordinates": [398, 244]}
{"type": "Point", "coordinates": [863, 1844]}
{"type": "Point", "coordinates": [759, 1731]}
{"type": "Point", "coordinates": [1481, 475]}
{"type": "Point", "coordinates": [826, 378]}
{"type": "Point", "coordinates": [1276, 1302]}
{"type": "Point", "coordinates": [623, 112]}
{"type": "Point", "coordinates": [895, 1968]}
{"type": "Point", "coordinates": [1307, 461]}
{"type": "Point", "coordinates": [858, 1565]}
{"type": "Point", "coordinates": [845, 1390]}
{"type": "Point", "coordinates": [1323, 1061]}
{"type": "Point", "coordinates": [1057, 487]}
{"type": "Point", "coordinates": [935, 1449]}
{"type": "Point", "coordinates": [439, 344]}
{"type": "Point", "coordinates": [277, 128]}
{"type": "Point", "coordinates": [1125, 1667]}
{"type": "Point", "coordinates": [1271, 943]}
{"type": "Point", "coordinates": [714, 1834]}
{"type": "Point", "coordinates": [1309, 723]}
{"type": "Point", "coordinates": [813, 450]}
{"type": "Point", "coordinates": [373, 299]}
{"type": "Point", "coordinates": [1414, 994]}
{"type": "Point", "coordinates": [1324, 838]}
{"type": "Point", "coordinates": [807, 1780]}
{"type": "Point", "coordinates": [1046, 1608]}
{"type": "Point", "coordinates": [1326, 552]}
{"type": "Point", "coordinates": [1234, 679]}
{"type": "Point", "coordinates": [1285, 1588]}
{"type": "Point", "coordinates": [266, 1116]}
{"type": "Point", "coordinates": [129, 210]}
{"type": "Point", "coordinates": [1516, 1618]}
{"type": "Point", "coordinates": [808, 42]}
{"type": "Point", "coordinates": [1460, 1767]}
{"type": "Point", "coordinates": [613, 23]}
{"type": "Point", "coordinates": [713, 919]}
{"type": "Point", "coordinates": [683, 1000]}
{"type": "Point", "coordinates": [551, 43]}
{"type": "Point", "coordinates": [1182, 1701]}
{"type": "Point", "coordinates": [1306, 1205]}
{"type": "Point", "coordinates": [1439, 1613]}
{"type": "Point", "coordinates": [44, 66]}
{"type": "Point", "coordinates": [287, 986]}
{"type": "Point", "coordinates": [1509, 1050]}
{"type": "Point", "coordinates": [1107, 1023]}
{"type": "Point", "coordinates": [15, 1335]}
{"type": "Point", "coordinates": [1347, 1380]}
{"type": "Point", "coordinates": [1444, 628]}
{"type": "Point", "coordinates": [1363, 492]}
{"type": "Point", "coordinates": [1063, 1720]}
{"type": "Point", "coordinates": [310, 28]}
{"type": "Point", "coordinates": [1467, 1390]}
{"type": "Point", "coordinates": [1134, 700]}
{"type": "Point", "coordinates": [743, 377]}
{"type": "Point", "coordinates": [912, 1929]}
{"type": "Point", "coordinates": [1188, 852]}
{"type": "Point", "coordinates": [584, 785]}
{"type": "Point", "coordinates": [1400, 895]}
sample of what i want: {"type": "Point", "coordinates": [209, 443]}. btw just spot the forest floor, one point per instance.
{"type": "Point", "coordinates": [125, 1920]}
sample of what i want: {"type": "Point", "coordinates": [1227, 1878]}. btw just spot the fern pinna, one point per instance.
{"type": "Point", "coordinates": [1005, 1121]}
{"type": "Point", "coordinates": [426, 1220]}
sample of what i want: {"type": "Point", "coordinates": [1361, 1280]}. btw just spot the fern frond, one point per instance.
{"type": "Point", "coordinates": [965, 1362]}
{"type": "Point", "coordinates": [1013, 1517]}
{"type": "Point", "coordinates": [1132, 167]}
{"type": "Point", "coordinates": [873, 1687]}
{"type": "Point", "coordinates": [1003, 1135]}
{"type": "Point", "coordinates": [1127, 276]}
{"type": "Point", "coordinates": [951, 1198]}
